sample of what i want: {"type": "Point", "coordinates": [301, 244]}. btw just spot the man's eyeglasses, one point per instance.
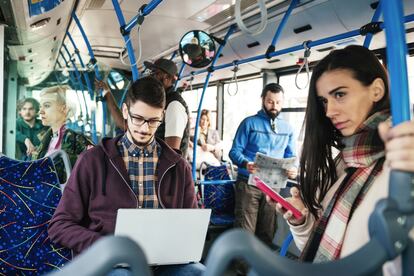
{"type": "Point", "coordinates": [140, 121]}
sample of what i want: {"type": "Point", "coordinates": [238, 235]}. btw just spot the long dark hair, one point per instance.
{"type": "Point", "coordinates": [317, 165]}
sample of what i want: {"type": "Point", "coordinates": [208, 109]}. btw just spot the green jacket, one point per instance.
{"type": "Point", "coordinates": [24, 131]}
{"type": "Point", "coordinates": [73, 144]}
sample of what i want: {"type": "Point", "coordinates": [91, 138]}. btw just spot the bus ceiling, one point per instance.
{"type": "Point", "coordinates": [40, 30]}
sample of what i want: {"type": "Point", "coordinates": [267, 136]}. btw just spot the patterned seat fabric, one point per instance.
{"type": "Point", "coordinates": [29, 194]}
{"type": "Point", "coordinates": [219, 197]}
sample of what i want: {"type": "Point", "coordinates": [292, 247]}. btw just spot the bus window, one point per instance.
{"type": "Point", "coordinates": [295, 103]}
{"type": "Point", "coordinates": [295, 97]}
{"type": "Point", "coordinates": [245, 102]}
{"type": "Point", "coordinates": [192, 99]}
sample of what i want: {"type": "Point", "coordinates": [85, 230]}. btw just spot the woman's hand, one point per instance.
{"type": "Point", "coordinates": [399, 145]}
{"type": "Point", "coordinates": [287, 214]}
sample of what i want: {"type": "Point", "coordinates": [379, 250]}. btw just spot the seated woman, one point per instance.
{"type": "Point", "coordinates": [54, 111]}
{"type": "Point", "coordinates": [348, 109]}
{"type": "Point", "coordinates": [209, 146]}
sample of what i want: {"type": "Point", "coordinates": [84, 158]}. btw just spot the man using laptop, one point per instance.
{"type": "Point", "coordinates": [133, 170]}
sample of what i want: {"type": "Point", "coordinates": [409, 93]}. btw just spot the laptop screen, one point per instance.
{"type": "Point", "coordinates": [167, 236]}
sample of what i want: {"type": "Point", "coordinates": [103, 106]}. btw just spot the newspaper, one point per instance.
{"type": "Point", "coordinates": [271, 170]}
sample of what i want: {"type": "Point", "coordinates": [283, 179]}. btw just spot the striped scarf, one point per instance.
{"type": "Point", "coordinates": [363, 154]}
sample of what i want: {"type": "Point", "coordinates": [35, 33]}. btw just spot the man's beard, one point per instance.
{"type": "Point", "coordinates": [139, 144]}
{"type": "Point", "coordinates": [273, 113]}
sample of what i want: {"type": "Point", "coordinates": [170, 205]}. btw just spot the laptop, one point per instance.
{"type": "Point", "coordinates": [167, 236]}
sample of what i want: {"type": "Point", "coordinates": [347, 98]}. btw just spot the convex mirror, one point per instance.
{"type": "Point", "coordinates": [197, 49]}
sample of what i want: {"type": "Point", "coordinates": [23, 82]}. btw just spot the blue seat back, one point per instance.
{"type": "Point", "coordinates": [219, 197]}
{"type": "Point", "coordinates": [29, 194]}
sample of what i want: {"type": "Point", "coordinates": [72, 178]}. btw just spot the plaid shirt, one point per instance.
{"type": "Point", "coordinates": [141, 165]}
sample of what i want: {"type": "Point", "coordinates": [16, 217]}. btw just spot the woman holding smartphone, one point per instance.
{"type": "Point", "coordinates": [348, 110]}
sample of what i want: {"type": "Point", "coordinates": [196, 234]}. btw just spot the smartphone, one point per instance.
{"type": "Point", "coordinates": [277, 197]}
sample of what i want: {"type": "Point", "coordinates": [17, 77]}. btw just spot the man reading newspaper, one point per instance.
{"type": "Point", "coordinates": [272, 136]}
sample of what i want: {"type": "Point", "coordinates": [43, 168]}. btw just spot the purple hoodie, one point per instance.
{"type": "Point", "coordinates": [99, 185]}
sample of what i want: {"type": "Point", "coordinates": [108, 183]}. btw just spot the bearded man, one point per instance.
{"type": "Point", "coordinates": [266, 133]}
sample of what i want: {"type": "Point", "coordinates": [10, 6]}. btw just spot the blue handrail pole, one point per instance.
{"type": "Point", "coordinates": [85, 75]}
{"type": "Point", "coordinates": [217, 182]}
{"type": "Point", "coordinates": [97, 75]}
{"type": "Point", "coordinates": [375, 18]}
{"type": "Point", "coordinates": [282, 23]}
{"type": "Point", "coordinates": [125, 35]}
{"type": "Point", "coordinates": [396, 59]}
{"type": "Point", "coordinates": [226, 37]}
{"type": "Point", "coordinates": [72, 78]}
{"type": "Point", "coordinates": [407, 19]}
{"type": "Point", "coordinates": [79, 78]}
{"type": "Point", "coordinates": [82, 31]}
{"type": "Point", "coordinates": [59, 66]}
{"type": "Point", "coordinates": [401, 184]}
{"type": "Point", "coordinates": [280, 52]}
{"type": "Point", "coordinates": [173, 55]}
{"type": "Point", "coordinates": [77, 74]}
{"type": "Point", "coordinates": [147, 10]}
{"type": "Point", "coordinates": [179, 75]}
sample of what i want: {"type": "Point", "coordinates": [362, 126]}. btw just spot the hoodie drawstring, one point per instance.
{"type": "Point", "coordinates": [104, 176]}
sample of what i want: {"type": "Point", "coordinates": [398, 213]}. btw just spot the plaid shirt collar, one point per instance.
{"type": "Point", "coordinates": [134, 150]}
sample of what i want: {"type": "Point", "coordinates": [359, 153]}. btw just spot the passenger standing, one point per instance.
{"type": "Point", "coordinates": [348, 109]}
{"type": "Point", "coordinates": [266, 133]}
{"type": "Point", "coordinates": [175, 129]}
{"type": "Point", "coordinates": [28, 127]}
{"type": "Point", "coordinates": [133, 170]}
{"type": "Point", "coordinates": [54, 111]}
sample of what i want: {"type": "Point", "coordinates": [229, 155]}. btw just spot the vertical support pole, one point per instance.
{"type": "Point", "coordinates": [85, 74]}
{"type": "Point", "coordinates": [397, 63]}
{"type": "Point", "coordinates": [179, 75]}
{"type": "Point", "coordinates": [375, 18]}
{"type": "Point", "coordinates": [10, 112]}
{"type": "Point", "coordinates": [280, 28]}
{"type": "Point", "coordinates": [229, 32]}
{"type": "Point", "coordinates": [401, 184]}
{"type": "Point", "coordinates": [220, 108]}
{"type": "Point", "coordinates": [125, 35]}
{"type": "Point", "coordinates": [97, 74]}
{"type": "Point", "coordinates": [1, 85]}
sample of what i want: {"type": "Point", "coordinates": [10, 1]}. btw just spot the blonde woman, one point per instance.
{"type": "Point", "coordinates": [54, 111]}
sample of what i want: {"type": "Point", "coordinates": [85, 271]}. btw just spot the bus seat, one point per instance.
{"type": "Point", "coordinates": [29, 194]}
{"type": "Point", "coordinates": [105, 254]}
{"type": "Point", "coordinates": [218, 197]}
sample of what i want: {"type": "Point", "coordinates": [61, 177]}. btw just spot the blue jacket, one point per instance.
{"type": "Point", "coordinates": [255, 134]}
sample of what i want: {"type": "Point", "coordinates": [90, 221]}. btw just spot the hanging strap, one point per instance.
{"type": "Point", "coordinates": [234, 79]}
{"type": "Point", "coordinates": [305, 64]}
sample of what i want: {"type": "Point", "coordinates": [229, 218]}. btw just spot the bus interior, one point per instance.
{"type": "Point", "coordinates": [246, 44]}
